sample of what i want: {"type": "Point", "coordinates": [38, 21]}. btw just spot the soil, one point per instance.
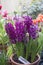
{"type": "Point", "coordinates": [15, 58]}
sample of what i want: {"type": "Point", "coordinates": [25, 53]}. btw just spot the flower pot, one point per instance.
{"type": "Point", "coordinates": [9, 62]}
{"type": "Point", "coordinates": [34, 63]}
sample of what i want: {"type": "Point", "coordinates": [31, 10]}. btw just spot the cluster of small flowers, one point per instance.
{"type": "Point", "coordinates": [38, 19]}
{"type": "Point", "coordinates": [11, 32]}
{"type": "Point", "coordinates": [31, 28]}
{"type": "Point", "coordinates": [18, 32]}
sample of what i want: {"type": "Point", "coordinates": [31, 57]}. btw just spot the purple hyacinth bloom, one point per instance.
{"type": "Point", "coordinates": [20, 30]}
{"type": "Point", "coordinates": [11, 32]}
{"type": "Point", "coordinates": [28, 22]}
{"type": "Point", "coordinates": [30, 27]}
{"type": "Point", "coordinates": [33, 31]}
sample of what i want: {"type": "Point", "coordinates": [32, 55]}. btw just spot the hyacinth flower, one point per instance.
{"type": "Point", "coordinates": [31, 28]}
{"type": "Point", "coordinates": [11, 32]}
{"type": "Point", "coordinates": [33, 31]}
{"type": "Point", "coordinates": [18, 33]}
{"type": "Point", "coordinates": [27, 22]}
{"type": "Point", "coordinates": [20, 30]}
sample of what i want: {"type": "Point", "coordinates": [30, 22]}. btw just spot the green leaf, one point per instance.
{"type": "Point", "coordinates": [10, 51]}
{"type": "Point", "coordinates": [1, 26]}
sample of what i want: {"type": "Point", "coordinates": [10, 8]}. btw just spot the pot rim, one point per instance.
{"type": "Point", "coordinates": [25, 64]}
